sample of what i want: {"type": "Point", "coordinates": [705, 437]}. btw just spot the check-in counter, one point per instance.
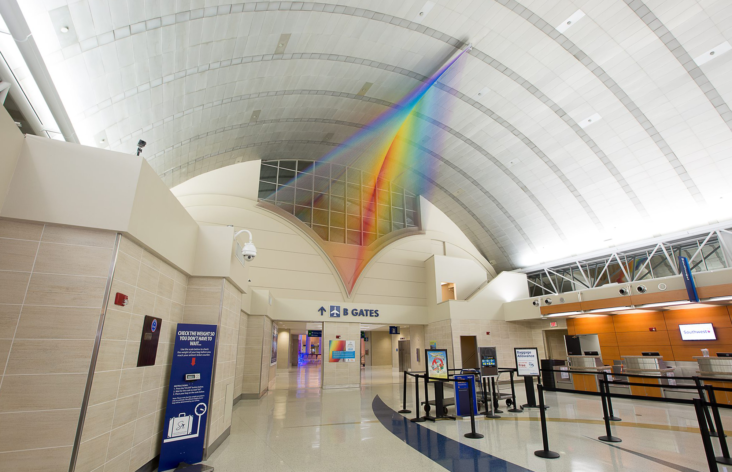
{"type": "Point", "coordinates": [718, 368]}
{"type": "Point", "coordinates": [586, 382]}
{"type": "Point", "coordinates": [648, 365]}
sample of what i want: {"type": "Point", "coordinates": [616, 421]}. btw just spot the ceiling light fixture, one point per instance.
{"type": "Point", "coordinates": [606, 310]}
{"type": "Point", "coordinates": [64, 29]}
{"type": "Point", "coordinates": [718, 299]}
{"type": "Point", "coordinates": [567, 313]}
{"type": "Point", "coordinates": [662, 304]}
{"type": "Point", "coordinates": [574, 18]}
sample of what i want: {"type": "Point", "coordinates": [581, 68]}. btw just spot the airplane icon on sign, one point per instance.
{"type": "Point", "coordinates": [335, 311]}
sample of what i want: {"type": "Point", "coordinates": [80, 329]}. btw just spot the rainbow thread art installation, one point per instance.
{"type": "Point", "coordinates": [390, 148]}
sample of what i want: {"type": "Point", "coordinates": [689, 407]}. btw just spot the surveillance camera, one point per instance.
{"type": "Point", "coordinates": [641, 288]}
{"type": "Point", "coordinates": [249, 251]}
{"type": "Point", "coordinates": [623, 291]}
{"type": "Point", "coordinates": [547, 301]}
{"type": "Point", "coordinates": [141, 144]}
{"type": "Point", "coordinates": [536, 303]}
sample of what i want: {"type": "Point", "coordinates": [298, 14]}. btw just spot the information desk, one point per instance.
{"type": "Point", "coordinates": [648, 365]}
{"type": "Point", "coordinates": [586, 382]}
{"type": "Point", "coordinates": [720, 368]}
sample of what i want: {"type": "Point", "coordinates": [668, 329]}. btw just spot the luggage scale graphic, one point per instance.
{"type": "Point", "coordinates": [180, 427]}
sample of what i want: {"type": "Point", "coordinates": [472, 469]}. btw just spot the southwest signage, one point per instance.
{"type": "Point", "coordinates": [336, 312]}
{"type": "Point", "coordinates": [697, 332]}
{"type": "Point", "coordinates": [184, 429]}
{"type": "Point", "coordinates": [688, 279]}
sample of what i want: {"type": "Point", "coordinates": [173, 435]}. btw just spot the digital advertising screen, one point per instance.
{"type": "Point", "coordinates": [698, 332]}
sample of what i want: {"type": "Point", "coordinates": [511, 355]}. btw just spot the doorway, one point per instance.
{"type": "Point", "coordinates": [305, 353]}
{"type": "Point", "coordinates": [469, 352]}
{"type": "Point", "coordinates": [405, 357]}
{"type": "Point", "coordinates": [554, 344]}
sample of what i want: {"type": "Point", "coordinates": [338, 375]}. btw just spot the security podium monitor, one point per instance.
{"type": "Point", "coordinates": [488, 361]}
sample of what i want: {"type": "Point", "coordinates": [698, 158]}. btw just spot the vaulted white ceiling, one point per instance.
{"type": "Point", "coordinates": [574, 125]}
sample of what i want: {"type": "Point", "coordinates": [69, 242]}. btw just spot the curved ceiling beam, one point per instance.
{"type": "Point", "coordinates": [619, 93]}
{"type": "Point", "coordinates": [185, 16]}
{"type": "Point", "coordinates": [385, 103]}
{"type": "Point", "coordinates": [425, 150]}
{"type": "Point", "coordinates": [512, 130]}
{"type": "Point", "coordinates": [679, 52]}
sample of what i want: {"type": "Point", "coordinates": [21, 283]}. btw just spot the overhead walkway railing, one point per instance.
{"type": "Point", "coordinates": [705, 251]}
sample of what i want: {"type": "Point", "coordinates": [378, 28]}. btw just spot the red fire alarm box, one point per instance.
{"type": "Point", "coordinates": [338, 336]}
{"type": "Point", "coordinates": [121, 299]}
{"type": "Point", "coordinates": [651, 329]}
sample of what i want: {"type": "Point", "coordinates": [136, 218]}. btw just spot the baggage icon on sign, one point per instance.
{"type": "Point", "coordinates": [180, 427]}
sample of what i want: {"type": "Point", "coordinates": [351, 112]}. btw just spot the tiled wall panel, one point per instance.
{"type": "Point", "coordinates": [52, 284]}
{"type": "Point", "coordinates": [340, 374]}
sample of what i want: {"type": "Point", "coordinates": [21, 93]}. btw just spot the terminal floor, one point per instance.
{"type": "Point", "coordinates": [303, 428]}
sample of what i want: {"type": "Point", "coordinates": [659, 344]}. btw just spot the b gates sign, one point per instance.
{"type": "Point", "coordinates": [336, 312]}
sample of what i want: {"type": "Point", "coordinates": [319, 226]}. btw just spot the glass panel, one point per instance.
{"type": "Point", "coordinates": [320, 217]}
{"type": "Point", "coordinates": [368, 224]}
{"type": "Point", "coordinates": [368, 238]}
{"type": "Point", "coordinates": [285, 176]}
{"type": "Point", "coordinates": [337, 235]}
{"type": "Point", "coordinates": [337, 219]}
{"type": "Point", "coordinates": [268, 174]}
{"type": "Point", "coordinates": [286, 194]}
{"type": "Point", "coordinates": [410, 202]}
{"type": "Point", "coordinates": [337, 204]}
{"type": "Point", "coordinates": [354, 237]}
{"type": "Point", "coordinates": [304, 181]}
{"type": "Point", "coordinates": [398, 226]}
{"type": "Point", "coordinates": [320, 200]}
{"type": "Point", "coordinates": [397, 200]}
{"type": "Point", "coordinates": [321, 184]}
{"type": "Point", "coordinates": [398, 216]}
{"type": "Point", "coordinates": [353, 191]}
{"type": "Point", "coordinates": [288, 165]}
{"type": "Point", "coordinates": [384, 227]}
{"type": "Point", "coordinates": [353, 208]}
{"type": "Point", "coordinates": [266, 190]}
{"type": "Point", "coordinates": [321, 231]}
{"type": "Point", "coordinates": [337, 188]}
{"type": "Point", "coordinates": [411, 218]}
{"type": "Point", "coordinates": [354, 222]}
{"type": "Point", "coordinates": [337, 172]}
{"type": "Point", "coordinates": [304, 197]}
{"type": "Point", "coordinates": [384, 212]}
{"type": "Point", "coordinates": [713, 256]}
{"type": "Point", "coordinates": [287, 207]}
{"type": "Point", "coordinates": [303, 214]}
{"type": "Point", "coordinates": [305, 166]}
{"type": "Point", "coordinates": [322, 169]}
{"type": "Point", "coordinates": [354, 176]}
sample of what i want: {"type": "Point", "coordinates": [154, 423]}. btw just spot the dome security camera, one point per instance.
{"type": "Point", "coordinates": [249, 251]}
{"type": "Point", "coordinates": [536, 303]}
{"type": "Point", "coordinates": [623, 291]}
{"type": "Point", "coordinates": [547, 301]}
{"type": "Point", "coordinates": [641, 288]}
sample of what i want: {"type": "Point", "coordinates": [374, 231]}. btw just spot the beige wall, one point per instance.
{"type": "Point", "coordinates": [12, 141]}
{"type": "Point", "coordinates": [283, 349]}
{"type": "Point", "coordinates": [126, 411]}
{"type": "Point", "coordinates": [417, 341]}
{"type": "Point", "coordinates": [441, 332]}
{"type": "Point", "coordinates": [380, 348]}
{"type": "Point", "coordinates": [252, 368]}
{"type": "Point", "coordinates": [555, 344]}
{"type": "Point", "coordinates": [52, 286]}
{"type": "Point", "coordinates": [341, 374]}
{"type": "Point", "coordinates": [240, 354]}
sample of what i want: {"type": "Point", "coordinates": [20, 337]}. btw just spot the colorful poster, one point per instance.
{"type": "Point", "coordinates": [436, 363]}
{"type": "Point", "coordinates": [433, 344]}
{"type": "Point", "coordinates": [342, 351]}
{"type": "Point", "coordinates": [273, 359]}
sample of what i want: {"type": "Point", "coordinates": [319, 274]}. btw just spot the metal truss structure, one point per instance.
{"type": "Point", "coordinates": [706, 252]}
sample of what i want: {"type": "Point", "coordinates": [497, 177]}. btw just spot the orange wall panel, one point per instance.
{"type": "Point", "coordinates": [594, 325]}
{"type": "Point", "coordinates": [609, 354]}
{"type": "Point", "coordinates": [639, 322]}
{"type": "Point", "coordinates": [644, 338]}
{"type": "Point", "coordinates": [718, 316]}
{"type": "Point", "coordinates": [607, 339]}
{"type": "Point", "coordinates": [570, 326]}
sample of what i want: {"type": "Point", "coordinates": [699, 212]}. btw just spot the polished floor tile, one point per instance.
{"type": "Point", "coordinates": [300, 427]}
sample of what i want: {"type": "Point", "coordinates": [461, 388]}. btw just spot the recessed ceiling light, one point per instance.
{"type": "Point", "coordinates": [64, 29]}
{"type": "Point", "coordinates": [423, 12]}
{"type": "Point", "coordinates": [713, 53]}
{"type": "Point", "coordinates": [590, 120]}
{"type": "Point", "coordinates": [484, 91]}
{"type": "Point", "coordinates": [574, 18]}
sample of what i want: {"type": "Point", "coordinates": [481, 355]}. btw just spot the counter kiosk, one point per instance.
{"type": "Point", "coordinates": [586, 382]}
{"type": "Point", "coordinates": [647, 365]}
{"type": "Point", "coordinates": [717, 367]}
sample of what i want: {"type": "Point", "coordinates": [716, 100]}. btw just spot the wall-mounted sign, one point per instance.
{"type": "Point", "coordinates": [342, 351]}
{"type": "Point", "coordinates": [394, 330]}
{"type": "Point", "coordinates": [527, 361]}
{"type": "Point", "coordinates": [436, 360]}
{"type": "Point", "coordinates": [149, 341]}
{"type": "Point", "coordinates": [315, 333]}
{"type": "Point", "coordinates": [337, 312]}
{"type": "Point", "coordinates": [188, 395]}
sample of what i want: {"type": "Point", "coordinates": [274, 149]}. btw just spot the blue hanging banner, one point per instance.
{"type": "Point", "coordinates": [188, 395]}
{"type": "Point", "coordinates": [688, 279]}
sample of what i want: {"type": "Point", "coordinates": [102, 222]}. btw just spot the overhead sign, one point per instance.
{"type": "Point", "coordinates": [188, 395]}
{"type": "Point", "coordinates": [342, 351]}
{"type": "Point", "coordinates": [688, 279]}
{"type": "Point", "coordinates": [337, 312]}
{"type": "Point", "coordinates": [527, 361]}
{"type": "Point", "coordinates": [394, 330]}
{"type": "Point", "coordinates": [315, 333]}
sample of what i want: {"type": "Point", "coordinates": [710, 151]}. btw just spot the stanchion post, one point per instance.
{"type": "Point", "coordinates": [707, 417]}
{"type": "Point", "coordinates": [417, 418]}
{"type": "Point", "coordinates": [608, 434]}
{"type": "Point", "coordinates": [471, 394]}
{"type": "Point", "coordinates": [516, 408]}
{"type": "Point", "coordinates": [544, 453]}
{"type": "Point", "coordinates": [706, 439]}
{"type": "Point", "coordinates": [724, 459]}
{"type": "Point", "coordinates": [404, 403]}
{"type": "Point", "coordinates": [612, 416]}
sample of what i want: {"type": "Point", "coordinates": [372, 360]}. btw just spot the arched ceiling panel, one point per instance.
{"type": "Point", "coordinates": [557, 138]}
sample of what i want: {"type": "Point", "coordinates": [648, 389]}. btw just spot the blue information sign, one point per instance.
{"type": "Point", "coordinates": [184, 429]}
{"type": "Point", "coordinates": [688, 279]}
{"type": "Point", "coordinates": [394, 330]}
{"type": "Point", "coordinates": [462, 396]}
